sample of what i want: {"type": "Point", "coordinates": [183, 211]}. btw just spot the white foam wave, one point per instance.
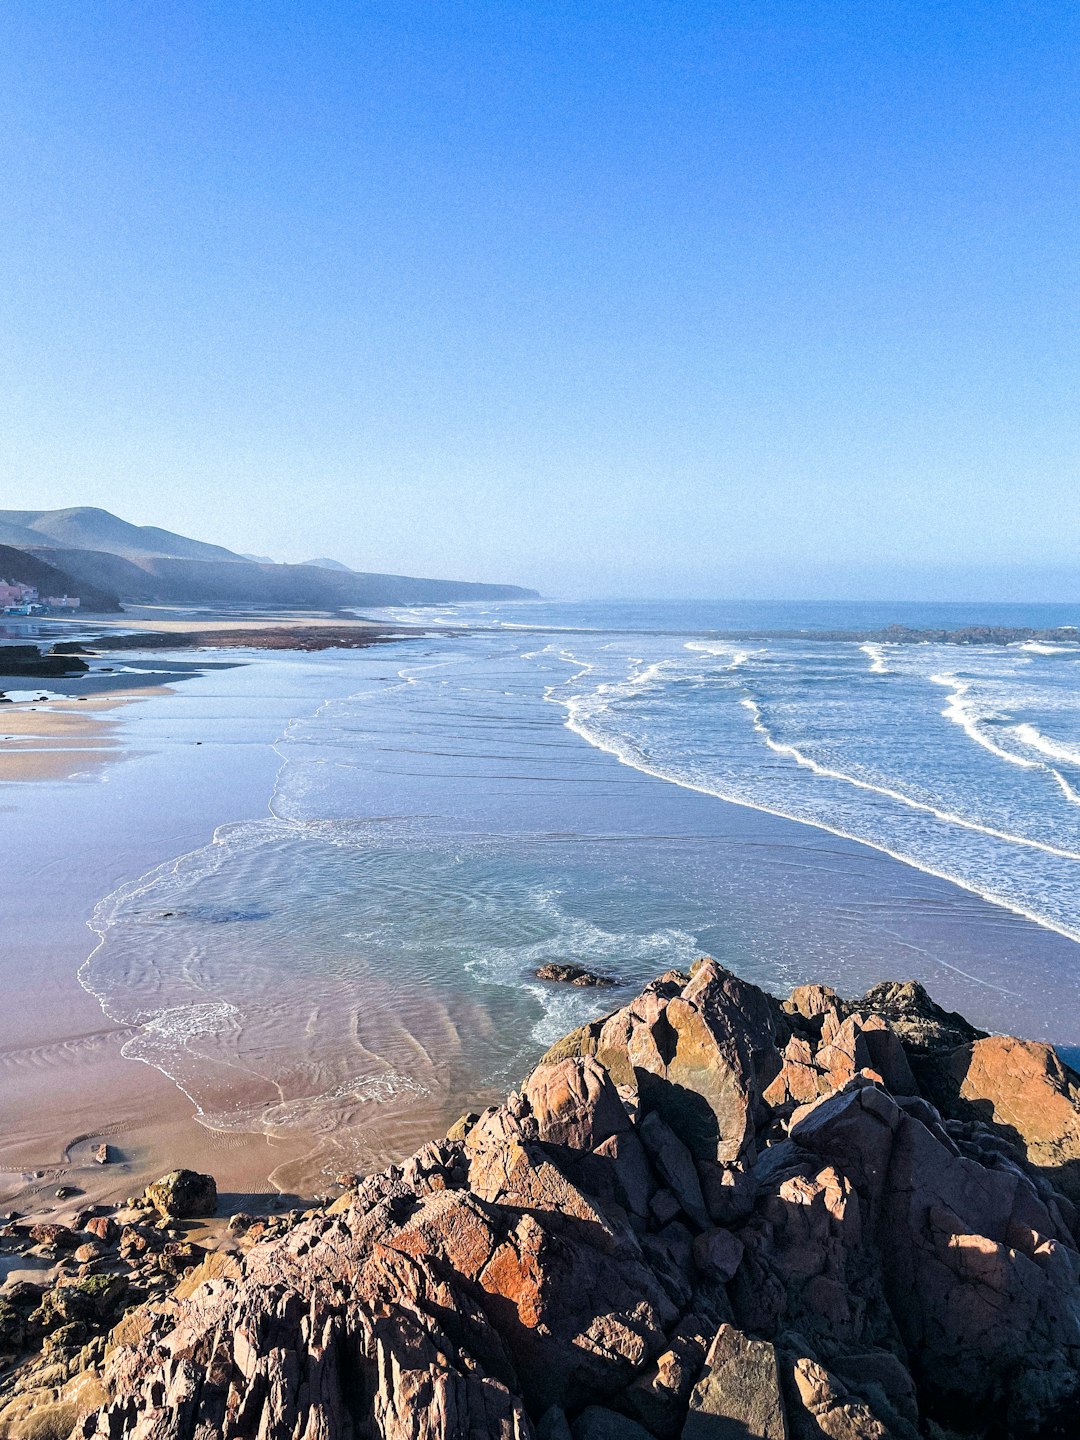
{"type": "Point", "coordinates": [582, 709]}
{"type": "Point", "coordinates": [1040, 647]}
{"type": "Point", "coordinates": [736, 656]}
{"type": "Point", "coordinates": [1046, 745]}
{"type": "Point", "coordinates": [877, 658]}
{"type": "Point", "coordinates": [950, 817]}
{"type": "Point", "coordinates": [964, 712]}
{"type": "Point", "coordinates": [628, 754]}
{"type": "Point", "coordinates": [1073, 796]}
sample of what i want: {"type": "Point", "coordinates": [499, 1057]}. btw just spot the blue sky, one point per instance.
{"type": "Point", "coordinates": [766, 299]}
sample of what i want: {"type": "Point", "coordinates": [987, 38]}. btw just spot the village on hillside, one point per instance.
{"type": "Point", "coordinates": [19, 599]}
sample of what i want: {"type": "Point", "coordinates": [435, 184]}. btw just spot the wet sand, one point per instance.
{"type": "Point", "coordinates": [196, 755]}
{"type": "Point", "coordinates": [176, 760]}
{"type": "Point", "coordinates": [54, 740]}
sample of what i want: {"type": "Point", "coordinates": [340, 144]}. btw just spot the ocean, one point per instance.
{"type": "Point", "coordinates": [624, 786]}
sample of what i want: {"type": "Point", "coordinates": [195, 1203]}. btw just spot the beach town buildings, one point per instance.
{"type": "Point", "coordinates": [19, 599]}
{"type": "Point", "coordinates": [14, 593]}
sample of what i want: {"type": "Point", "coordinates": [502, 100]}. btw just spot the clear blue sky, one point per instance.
{"type": "Point", "coordinates": [685, 298]}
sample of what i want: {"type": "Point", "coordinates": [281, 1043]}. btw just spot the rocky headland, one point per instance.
{"type": "Point", "coordinates": [710, 1214]}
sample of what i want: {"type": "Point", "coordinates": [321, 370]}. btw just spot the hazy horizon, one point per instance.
{"type": "Point", "coordinates": [750, 302]}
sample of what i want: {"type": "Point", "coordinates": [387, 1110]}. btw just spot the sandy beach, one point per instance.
{"type": "Point", "coordinates": [174, 760]}
{"type": "Point", "coordinates": [52, 740]}
{"type": "Point", "coordinates": [373, 977]}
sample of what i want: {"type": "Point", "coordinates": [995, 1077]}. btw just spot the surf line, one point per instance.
{"type": "Point", "coordinates": [948, 817]}
{"type": "Point", "coordinates": [646, 768]}
{"type": "Point", "coordinates": [956, 711]}
{"type": "Point", "coordinates": [877, 658]}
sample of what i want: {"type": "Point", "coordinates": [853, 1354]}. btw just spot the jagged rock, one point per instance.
{"type": "Point", "coordinates": [59, 1237]}
{"type": "Point", "coordinates": [572, 975]}
{"type": "Point", "coordinates": [800, 1081]}
{"type": "Point", "coordinates": [673, 1161]}
{"type": "Point", "coordinates": [814, 1002]}
{"type": "Point", "coordinates": [706, 1214]}
{"type": "Point", "coordinates": [922, 1025]}
{"type": "Point", "coordinates": [104, 1228]}
{"type": "Point", "coordinates": [178, 1256]}
{"type": "Point", "coordinates": [864, 1044]}
{"type": "Point", "coordinates": [575, 1103]}
{"type": "Point", "coordinates": [975, 1280]}
{"type": "Point", "coordinates": [1027, 1092]}
{"type": "Point", "coordinates": [715, 1054]}
{"type": "Point", "coordinates": [819, 1405]}
{"type": "Point", "coordinates": [182, 1194]}
{"type": "Point", "coordinates": [597, 1423]}
{"type": "Point", "coordinates": [658, 1399]}
{"type": "Point", "coordinates": [462, 1125]}
{"type": "Point", "coordinates": [717, 1254]}
{"type": "Point", "coordinates": [739, 1392]}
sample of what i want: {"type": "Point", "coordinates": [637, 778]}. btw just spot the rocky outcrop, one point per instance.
{"type": "Point", "coordinates": [182, 1194]}
{"type": "Point", "coordinates": [709, 1214]}
{"type": "Point", "coordinates": [573, 975]}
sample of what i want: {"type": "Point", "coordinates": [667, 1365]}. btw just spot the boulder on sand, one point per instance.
{"type": "Point", "coordinates": [183, 1195]}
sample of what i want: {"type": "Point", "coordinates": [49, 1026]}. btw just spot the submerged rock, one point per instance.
{"type": "Point", "coordinates": [709, 1214]}
{"type": "Point", "coordinates": [572, 975]}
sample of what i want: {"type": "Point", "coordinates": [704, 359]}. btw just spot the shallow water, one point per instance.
{"type": "Point", "coordinates": [358, 963]}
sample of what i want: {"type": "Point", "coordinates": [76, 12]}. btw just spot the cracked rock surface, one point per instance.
{"type": "Point", "coordinates": [710, 1214]}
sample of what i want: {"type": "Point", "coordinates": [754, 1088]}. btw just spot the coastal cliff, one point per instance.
{"type": "Point", "coordinates": [710, 1214]}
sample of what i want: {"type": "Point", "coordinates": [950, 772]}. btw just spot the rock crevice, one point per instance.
{"type": "Point", "coordinates": [709, 1214]}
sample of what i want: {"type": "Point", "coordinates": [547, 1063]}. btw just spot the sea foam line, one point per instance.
{"type": "Point", "coordinates": [1027, 734]}
{"type": "Point", "coordinates": [960, 714]}
{"type": "Point", "coordinates": [1053, 749]}
{"type": "Point", "coordinates": [627, 754]}
{"type": "Point", "coordinates": [949, 817]}
{"type": "Point", "coordinates": [636, 761]}
{"type": "Point", "coordinates": [574, 704]}
{"type": "Point", "coordinates": [877, 658]}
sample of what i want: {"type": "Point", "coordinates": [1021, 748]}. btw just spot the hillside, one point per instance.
{"type": "Point", "coordinates": [30, 569]}
{"type": "Point", "coordinates": [154, 579]}
{"type": "Point", "coordinates": [105, 556]}
{"type": "Point", "coordinates": [86, 528]}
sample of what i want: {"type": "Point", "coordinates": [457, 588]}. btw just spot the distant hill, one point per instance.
{"type": "Point", "coordinates": [103, 555]}
{"type": "Point", "coordinates": [156, 579]}
{"type": "Point", "coordinates": [29, 569]}
{"type": "Point", "coordinates": [85, 528]}
{"type": "Point", "coordinates": [324, 563]}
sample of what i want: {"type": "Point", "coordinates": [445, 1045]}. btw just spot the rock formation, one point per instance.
{"type": "Point", "coordinates": [708, 1215]}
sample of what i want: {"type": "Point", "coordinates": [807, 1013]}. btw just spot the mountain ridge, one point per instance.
{"type": "Point", "coordinates": [173, 569]}
{"type": "Point", "coordinates": [86, 527]}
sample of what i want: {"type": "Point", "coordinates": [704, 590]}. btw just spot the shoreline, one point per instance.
{"type": "Point", "coordinates": [857, 1183]}
{"type": "Point", "coordinates": [72, 730]}
{"type": "Point", "coordinates": [167, 1118]}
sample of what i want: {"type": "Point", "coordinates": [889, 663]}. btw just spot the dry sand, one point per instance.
{"type": "Point", "coordinates": [55, 739]}
{"type": "Point", "coordinates": [168, 622]}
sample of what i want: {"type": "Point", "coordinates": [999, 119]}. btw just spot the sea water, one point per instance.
{"type": "Point", "coordinates": [616, 786]}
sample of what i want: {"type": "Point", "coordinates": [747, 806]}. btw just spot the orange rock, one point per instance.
{"type": "Point", "coordinates": [1022, 1086]}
